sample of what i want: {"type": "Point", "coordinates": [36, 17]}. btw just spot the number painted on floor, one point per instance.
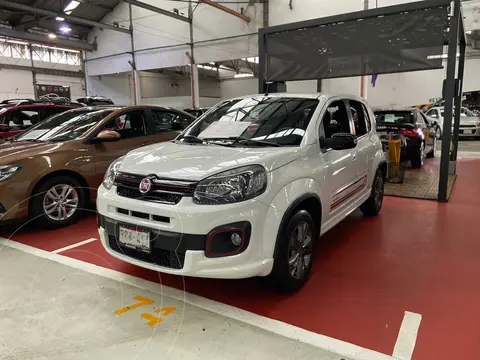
{"type": "Point", "coordinates": [142, 301]}
{"type": "Point", "coordinates": [153, 320]}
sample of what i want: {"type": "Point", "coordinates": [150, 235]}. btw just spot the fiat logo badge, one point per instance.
{"type": "Point", "coordinates": [145, 185]}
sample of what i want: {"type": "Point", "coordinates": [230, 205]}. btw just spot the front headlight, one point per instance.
{"type": "Point", "coordinates": [109, 177]}
{"type": "Point", "coordinates": [232, 186]}
{"type": "Point", "coordinates": [7, 171]}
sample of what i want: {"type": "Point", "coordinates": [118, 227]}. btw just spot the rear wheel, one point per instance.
{"type": "Point", "coordinates": [293, 260]}
{"type": "Point", "coordinates": [417, 160]}
{"type": "Point", "coordinates": [438, 133]}
{"type": "Point", "coordinates": [57, 202]}
{"type": "Point", "coordinates": [373, 205]}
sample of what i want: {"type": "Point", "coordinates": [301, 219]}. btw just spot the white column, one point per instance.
{"type": "Point", "coordinates": [138, 92]}
{"type": "Point", "coordinates": [195, 86]}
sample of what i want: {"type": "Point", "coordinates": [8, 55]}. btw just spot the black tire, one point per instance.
{"type": "Point", "coordinates": [39, 197]}
{"type": "Point", "coordinates": [417, 160]}
{"type": "Point", "coordinates": [431, 154]}
{"type": "Point", "coordinates": [373, 205]}
{"type": "Point", "coordinates": [281, 277]}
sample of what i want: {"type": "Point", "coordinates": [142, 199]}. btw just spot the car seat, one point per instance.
{"type": "Point", "coordinates": [137, 127]}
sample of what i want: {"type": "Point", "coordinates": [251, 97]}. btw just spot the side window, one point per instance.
{"type": "Point", "coordinates": [128, 125]}
{"type": "Point", "coordinates": [166, 121]}
{"type": "Point", "coordinates": [419, 118]}
{"type": "Point", "coordinates": [21, 119]}
{"type": "Point", "coordinates": [432, 113]}
{"type": "Point", "coordinates": [358, 116]}
{"type": "Point", "coordinates": [336, 120]}
{"type": "Point", "coordinates": [367, 118]}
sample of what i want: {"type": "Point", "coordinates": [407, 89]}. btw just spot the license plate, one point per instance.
{"type": "Point", "coordinates": [134, 238]}
{"type": "Point", "coordinates": [467, 131]}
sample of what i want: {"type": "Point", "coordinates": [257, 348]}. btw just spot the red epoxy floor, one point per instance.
{"type": "Point", "coordinates": [418, 256]}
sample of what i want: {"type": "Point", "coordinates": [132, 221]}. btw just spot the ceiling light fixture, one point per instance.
{"type": "Point", "coordinates": [60, 19]}
{"type": "Point", "coordinates": [52, 36]}
{"type": "Point", "coordinates": [242, 75]}
{"type": "Point", "coordinates": [65, 29]}
{"type": "Point", "coordinates": [71, 6]}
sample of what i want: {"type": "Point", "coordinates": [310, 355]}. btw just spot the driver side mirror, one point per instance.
{"type": "Point", "coordinates": [339, 141]}
{"type": "Point", "coordinates": [4, 128]}
{"type": "Point", "coordinates": [106, 136]}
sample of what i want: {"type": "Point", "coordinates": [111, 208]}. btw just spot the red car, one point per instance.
{"type": "Point", "coordinates": [17, 117]}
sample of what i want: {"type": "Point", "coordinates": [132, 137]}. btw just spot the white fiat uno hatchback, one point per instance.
{"type": "Point", "coordinates": [246, 190]}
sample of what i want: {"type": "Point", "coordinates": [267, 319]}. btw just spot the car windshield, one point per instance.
{"type": "Point", "coordinates": [65, 126]}
{"type": "Point", "coordinates": [394, 117]}
{"type": "Point", "coordinates": [464, 112]}
{"type": "Point", "coordinates": [262, 121]}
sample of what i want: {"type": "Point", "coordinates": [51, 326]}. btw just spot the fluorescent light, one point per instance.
{"type": "Point", "coordinates": [251, 59]}
{"type": "Point", "coordinates": [242, 75]}
{"type": "Point", "coordinates": [52, 36]}
{"type": "Point", "coordinates": [211, 63]}
{"type": "Point", "coordinates": [68, 12]}
{"type": "Point", "coordinates": [443, 56]}
{"type": "Point", "coordinates": [60, 19]}
{"type": "Point", "coordinates": [469, 32]}
{"type": "Point", "coordinates": [65, 29]}
{"type": "Point", "coordinates": [71, 6]}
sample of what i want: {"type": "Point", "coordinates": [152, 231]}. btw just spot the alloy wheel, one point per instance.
{"type": "Point", "coordinates": [438, 133]}
{"type": "Point", "coordinates": [60, 202]}
{"type": "Point", "coordinates": [300, 250]}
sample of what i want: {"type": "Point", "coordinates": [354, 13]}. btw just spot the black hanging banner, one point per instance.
{"type": "Point", "coordinates": [53, 92]}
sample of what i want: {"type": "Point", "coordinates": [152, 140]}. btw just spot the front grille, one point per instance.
{"type": "Point", "coordinates": [164, 258]}
{"type": "Point", "coordinates": [167, 191]}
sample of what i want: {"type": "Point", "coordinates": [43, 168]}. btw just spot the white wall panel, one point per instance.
{"type": "Point", "coordinates": [224, 25]}
{"type": "Point", "coordinates": [110, 65]}
{"type": "Point", "coordinates": [162, 58]}
{"type": "Point", "coordinates": [116, 87]}
{"type": "Point", "coordinates": [238, 87]}
{"type": "Point", "coordinates": [180, 102]}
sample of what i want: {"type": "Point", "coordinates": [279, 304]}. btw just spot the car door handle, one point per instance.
{"type": "Point", "coordinates": [353, 155]}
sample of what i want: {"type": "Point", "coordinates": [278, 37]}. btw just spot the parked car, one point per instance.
{"type": "Point", "coordinates": [246, 190]}
{"type": "Point", "coordinates": [417, 133]}
{"type": "Point", "coordinates": [17, 117]}
{"type": "Point", "coordinates": [469, 121]}
{"type": "Point", "coordinates": [197, 112]}
{"type": "Point", "coordinates": [51, 172]}
{"type": "Point", "coordinates": [95, 100]}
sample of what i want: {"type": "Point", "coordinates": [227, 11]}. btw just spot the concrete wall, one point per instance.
{"type": "Point", "coordinates": [161, 41]}
{"type": "Point", "coordinates": [19, 84]}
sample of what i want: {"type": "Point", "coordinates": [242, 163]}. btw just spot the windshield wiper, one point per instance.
{"type": "Point", "coordinates": [191, 139]}
{"type": "Point", "coordinates": [244, 141]}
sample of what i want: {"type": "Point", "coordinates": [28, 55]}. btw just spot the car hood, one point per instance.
{"type": "Point", "coordinates": [469, 120]}
{"type": "Point", "coordinates": [14, 151]}
{"type": "Point", "coordinates": [196, 162]}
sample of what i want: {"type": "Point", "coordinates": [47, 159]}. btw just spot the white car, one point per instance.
{"type": "Point", "coordinates": [469, 122]}
{"type": "Point", "coordinates": [245, 190]}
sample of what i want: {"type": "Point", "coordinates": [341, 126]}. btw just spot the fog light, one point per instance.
{"type": "Point", "coordinates": [236, 239]}
{"type": "Point", "coordinates": [228, 240]}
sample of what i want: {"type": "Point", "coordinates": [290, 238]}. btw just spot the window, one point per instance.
{"type": "Point", "coordinates": [128, 125]}
{"type": "Point", "coordinates": [54, 110]}
{"type": "Point", "coordinates": [367, 118]}
{"type": "Point", "coordinates": [432, 113]}
{"type": "Point", "coordinates": [336, 119]}
{"type": "Point", "coordinates": [419, 119]}
{"type": "Point", "coordinates": [394, 117]}
{"type": "Point", "coordinates": [257, 121]}
{"type": "Point", "coordinates": [358, 116]}
{"type": "Point", "coordinates": [169, 121]}
{"type": "Point", "coordinates": [21, 119]}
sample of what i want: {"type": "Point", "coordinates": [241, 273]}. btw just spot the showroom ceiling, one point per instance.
{"type": "Point", "coordinates": [19, 19]}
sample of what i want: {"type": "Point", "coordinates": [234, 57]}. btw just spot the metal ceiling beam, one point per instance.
{"type": "Point", "coordinates": [73, 19]}
{"type": "Point", "coordinates": [157, 10]}
{"type": "Point", "coordinates": [32, 23]}
{"type": "Point", "coordinates": [43, 39]}
{"type": "Point", "coordinates": [225, 9]}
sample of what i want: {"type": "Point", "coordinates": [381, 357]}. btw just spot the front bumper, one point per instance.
{"type": "Point", "coordinates": [13, 203]}
{"type": "Point", "coordinates": [182, 232]}
{"type": "Point", "coordinates": [471, 131]}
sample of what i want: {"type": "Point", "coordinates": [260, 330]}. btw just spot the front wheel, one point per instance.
{"type": "Point", "coordinates": [373, 205]}
{"type": "Point", "coordinates": [57, 202]}
{"type": "Point", "coordinates": [438, 133]}
{"type": "Point", "coordinates": [293, 259]}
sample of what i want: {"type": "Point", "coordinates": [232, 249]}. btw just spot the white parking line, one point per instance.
{"type": "Point", "coordinates": [73, 246]}
{"type": "Point", "coordinates": [340, 347]}
{"type": "Point", "coordinates": [407, 336]}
